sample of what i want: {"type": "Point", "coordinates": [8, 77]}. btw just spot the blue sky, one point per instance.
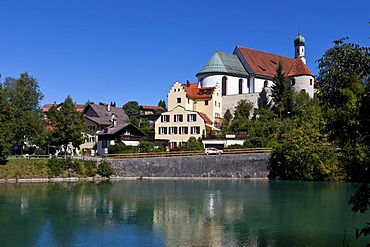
{"type": "Point", "coordinates": [118, 50]}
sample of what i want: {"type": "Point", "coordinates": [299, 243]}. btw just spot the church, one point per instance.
{"type": "Point", "coordinates": [246, 72]}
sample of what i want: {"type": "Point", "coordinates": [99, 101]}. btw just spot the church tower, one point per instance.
{"type": "Point", "coordinates": [299, 46]}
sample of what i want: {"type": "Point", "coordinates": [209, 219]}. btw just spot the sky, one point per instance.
{"type": "Point", "coordinates": [120, 50]}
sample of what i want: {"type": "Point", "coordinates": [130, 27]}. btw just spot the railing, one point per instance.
{"type": "Point", "coordinates": [184, 153]}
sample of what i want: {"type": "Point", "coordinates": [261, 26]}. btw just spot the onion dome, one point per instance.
{"type": "Point", "coordinates": [299, 40]}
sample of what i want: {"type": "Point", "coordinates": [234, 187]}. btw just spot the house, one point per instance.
{"type": "Point", "coordinates": [245, 73]}
{"type": "Point", "coordinates": [179, 124]}
{"type": "Point", "coordinates": [97, 118]}
{"type": "Point", "coordinates": [126, 133]}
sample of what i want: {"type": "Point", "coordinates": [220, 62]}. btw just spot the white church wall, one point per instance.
{"type": "Point", "coordinates": [305, 83]}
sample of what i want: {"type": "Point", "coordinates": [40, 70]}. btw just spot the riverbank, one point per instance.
{"type": "Point", "coordinates": [227, 166]}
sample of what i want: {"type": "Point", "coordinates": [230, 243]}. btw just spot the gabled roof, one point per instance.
{"type": "Point", "coordinates": [299, 68]}
{"type": "Point", "coordinates": [103, 114]}
{"type": "Point", "coordinates": [118, 128]}
{"type": "Point", "coordinates": [46, 107]}
{"type": "Point", "coordinates": [222, 62]}
{"type": "Point", "coordinates": [205, 117]}
{"type": "Point", "coordinates": [265, 64]}
{"type": "Point", "coordinates": [151, 108]}
{"type": "Point", "coordinates": [193, 92]}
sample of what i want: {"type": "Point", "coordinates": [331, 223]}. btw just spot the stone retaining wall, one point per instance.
{"type": "Point", "coordinates": [222, 166]}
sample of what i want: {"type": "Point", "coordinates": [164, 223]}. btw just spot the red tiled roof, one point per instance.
{"type": "Point", "coordinates": [153, 108]}
{"type": "Point", "coordinates": [299, 68]}
{"type": "Point", "coordinates": [205, 117]}
{"type": "Point", "coordinates": [193, 92]}
{"type": "Point", "coordinates": [265, 64]}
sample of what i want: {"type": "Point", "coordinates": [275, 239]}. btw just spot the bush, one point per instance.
{"type": "Point", "coordinates": [105, 169]}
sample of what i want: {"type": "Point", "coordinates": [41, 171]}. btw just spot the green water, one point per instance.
{"type": "Point", "coordinates": [178, 213]}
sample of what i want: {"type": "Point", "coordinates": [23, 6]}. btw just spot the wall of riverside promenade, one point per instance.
{"type": "Point", "coordinates": [221, 166]}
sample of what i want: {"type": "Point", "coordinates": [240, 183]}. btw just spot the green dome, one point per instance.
{"type": "Point", "coordinates": [299, 40]}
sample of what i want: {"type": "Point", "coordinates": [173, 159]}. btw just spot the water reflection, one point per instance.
{"type": "Point", "coordinates": [176, 213]}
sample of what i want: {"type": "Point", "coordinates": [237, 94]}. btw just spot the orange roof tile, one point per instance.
{"type": "Point", "coordinates": [205, 117]}
{"type": "Point", "coordinates": [265, 64]}
{"type": "Point", "coordinates": [193, 92]}
{"type": "Point", "coordinates": [154, 108]}
{"type": "Point", "coordinates": [299, 68]}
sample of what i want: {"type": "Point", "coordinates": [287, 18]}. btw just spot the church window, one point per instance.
{"type": "Point", "coordinates": [303, 90]}
{"type": "Point", "coordinates": [240, 86]}
{"type": "Point", "coordinates": [293, 82]}
{"type": "Point", "coordinates": [178, 100]}
{"type": "Point", "coordinates": [224, 82]}
{"type": "Point", "coordinates": [310, 82]}
{"type": "Point", "coordinates": [206, 102]}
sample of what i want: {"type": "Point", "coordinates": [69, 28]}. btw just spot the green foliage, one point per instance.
{"type": "Point", "coordinates": [131, 108]}
{"type": "Point", "coordinates": [105, 169]}
{"type": "Point", "coordinates": [304, 154]}
{"type": "Point", "coordinates": [143, 124]}
{"type": "Point", "coordinates": [147, 146]}
{"type": "Point", "coordinates": [71, 167]}
{"type": "Point", "coordinates": [163, 104]}
{"type": "Point", "coordinates": [6, 126]}
{"type": "Point", "coordinates": [24, 96]}
{"type": "Point", "coordinates": [192, 145]}
{"type": "Point", "coordinates": [67, 123]}
{"type": "Point", "coordinates": [241, 115]}
{"type": "Point", "coordinates": [227, 119]}
{"type": "Point", "coordinates": [119, 148]}
{"type": "Point", "coordinates": [282, 93]}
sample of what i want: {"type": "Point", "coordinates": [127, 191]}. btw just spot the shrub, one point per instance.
{"type": "Point", "coordinates": [105, 169]}
{"type": "Point", "coordinates": [90, 168]}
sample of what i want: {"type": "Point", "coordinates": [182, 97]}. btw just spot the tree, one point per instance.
{"type": "Point", "coordinates": [227, 119]}
{"type": "Point", "coordinates": [6, 127]}
{"type": "Point", "coordinates": [163, 104]}
{"type": "Point", "coordinates": [241, 115]}
{"type": "Point", "coordinates": [68, 126]}
{"type": "Point", "coordinates": [304, 155]}
{"type": "Point", "coordinates": [25, 95]}
{"type": "Point", "coordinates": [192, 145]}
{"type": "Point", "coordinates": [143, 124]}
{"type": "Point", "coordinates": [131, 108]}
{"type": "Point", "coordinates": [281, 93]}
{"type": "Point", "coordinates": [344, 75]}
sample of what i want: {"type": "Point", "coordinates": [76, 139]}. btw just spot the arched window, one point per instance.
{"type": "Point", "coordinates": [224, 82]}
{"type": "Point", "coordinates": [240, 86]}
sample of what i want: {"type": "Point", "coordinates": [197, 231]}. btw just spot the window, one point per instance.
{"type": "Point", "coordinates": [183, 130]}
{"type": "Point", "coordinates": [105, 144]}
{"type": "Point", "coordinates": [92, 139]}
{"type": "Point", "coordinates": [127, 133]}
{"type": "Point", "coordinates": [219, 105]}
{"type": "Point", "coordinates": [192, 117]}
{"type": "Point", "coordinates": [195, 130]}
{"type": "Point", "coordinates": [178, 118]}
{"type": "Point", "coordinates": [310, 82]}
{"type": "Point", "coordinates": [165, 118]}
{"type": "Point", "coordinates": [303, 90]}
{"type": "Point", "coordinates": [217, 115]}
{"type": "Point", "coordinates": [162, 130]}
{"type": "Point", "coordinates": [92, 128]}
{"type": "Point", "coordinates": [224, 82]}
{"type": "Point", "coordinates": [173, 130]}
{"type": "Point", "coordinates": [240, 86]}
{"type": "Point", "coordinates": [178, 100]}
{"type": "Point", "coordinates": [215, 103]}
{"type": "Point", "coordinates": [293, 82]}
{"type": "Point", "coordinates": [173, 145]}
{"type": "Point", "coordinates": [206, 102]}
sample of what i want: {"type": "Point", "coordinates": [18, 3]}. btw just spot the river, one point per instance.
{"type": "Point", "coordinates": [178, 213]}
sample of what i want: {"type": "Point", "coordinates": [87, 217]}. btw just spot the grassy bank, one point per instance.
{"type": "Point", "coordinates": [20, 168]}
